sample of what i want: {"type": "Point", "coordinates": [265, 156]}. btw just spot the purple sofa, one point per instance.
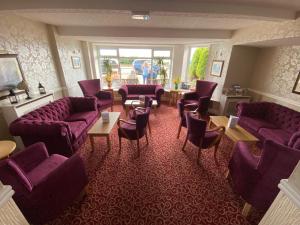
{"type": "Point", "coordinates": [91, 88]}
{"type": "Point", "coordinates": [255, 178]}
{"type": "Point", "coordinates": [135, 90]}
{"type": "Point", "coordinates": [62, 125]}
{"type": "Point", "coordinates": [271, 121]}
{"type": "Point", "coordinates": [44, 185]}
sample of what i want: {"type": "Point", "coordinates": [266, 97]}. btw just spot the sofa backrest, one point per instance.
{"type": "Point", "coordinates": [141, 89]}
{"type": "Point", "coordinates": [283, 117]}
{"type": "Point", "coordinates": [58, 110]}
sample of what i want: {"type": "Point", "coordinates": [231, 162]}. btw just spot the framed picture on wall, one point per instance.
{"type": "Point", "coordinates": [76, 62]}
{"type": "Point", "coordinates": [296, 88]}
{"type": "Point", "coordinates": [216, 68]}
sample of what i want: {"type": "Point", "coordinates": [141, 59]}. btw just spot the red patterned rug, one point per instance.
{"type": "Point", "coordinates": [163, 186]}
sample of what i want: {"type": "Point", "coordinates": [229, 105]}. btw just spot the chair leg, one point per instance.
{"type": "Point", "coordinates": [199, 156]}
{"type": "Point", "coordinates": [146, 134]}
{"type": "Point", "coordinates": [120, 144]}
{"type": "Point", "coordinates": [149, 127]}
{"type": "Point", "coordinates": [138, 146]}
{"type": "Point", "coordinates": [215, 151]}
{"type": "Point", "coordinates": [185, 141]}
{"type": "Point", "coordinates": [179, 129]}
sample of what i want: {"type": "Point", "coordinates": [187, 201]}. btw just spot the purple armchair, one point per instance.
{"type": "Point", "coordinates": [91, 88]}
{"type": "Point", "coordinates": [62, 125]}
{"type": "Point", "coordinates": [44, 185]}
{"type": "Point", "coordinates": [134, 129]}
{"type": "Point", "coordinates": [203, 93]}
{"type": "Point", "coordinates": [267, 120]}
{"type": "Point", "coordinates": [138, 110]}
{"type": "Point", "coordinates": [200, 137]}
{"type": "Point", "coordinates": [256, 178]}
{"type": "Point", "coordinates": [132, 92]}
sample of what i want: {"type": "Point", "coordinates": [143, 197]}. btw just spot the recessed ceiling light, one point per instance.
{"type": "Point", "coordinates": [140, 15]}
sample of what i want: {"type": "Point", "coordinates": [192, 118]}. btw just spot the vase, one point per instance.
{"type": "Point", "coordinates": [109, 84]}
{"type": "Point", "coordinates": [176, 86]}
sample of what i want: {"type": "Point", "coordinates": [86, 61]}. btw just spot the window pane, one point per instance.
{"type": "Point", "coordinates": [108, 52]}
{"type": "Point", "coordinates": [115, 70]}
{"type": "Point", "coordinates": [131, 52]}
{"type": "Point", "coordinates": [162, 53]}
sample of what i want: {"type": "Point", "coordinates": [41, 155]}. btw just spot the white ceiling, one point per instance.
{"type": "Point", "coordinates": [158, 20]}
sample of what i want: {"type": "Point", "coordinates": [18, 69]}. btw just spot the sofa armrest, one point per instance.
{"type": "Point", "coordinates": [84, 104]}
{"type": "Point", "coordinates": [190, 96]}
{"type": "Point", "coordinates": [59, 176]}
{"type": "Point", "coordinates": [23, 127]}
{"type": "Point", "coordinates": [294, 141]}
{"type": "Point", "coordinates": [243, 161]}
{"type": "Point", "coordinates": [31, 156]}
{"type": "Point", "coordinates": [123, 91]}
{"type": "Point", "coordinates": [159, 90]}
{"type": "Point", "coordinates": [104, 95]}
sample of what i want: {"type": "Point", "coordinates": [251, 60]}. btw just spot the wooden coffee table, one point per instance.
{"type": "Point", "coordinates": [100, 129]}
{"type": "Point", "coordinates": [235, 134]}
{"type": "Point", "coordinates": [138, 103]}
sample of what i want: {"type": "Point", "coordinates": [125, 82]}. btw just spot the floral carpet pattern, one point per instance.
{"type": "Point", "coordinates": [162, 186]}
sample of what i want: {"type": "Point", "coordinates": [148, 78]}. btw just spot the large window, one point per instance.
{"type": "Point", "coordinates": [133, 65]}
{"type": "Point", "coordinates": [197, 63]}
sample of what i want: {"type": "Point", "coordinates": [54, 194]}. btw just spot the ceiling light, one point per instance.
{"type": "Point", "coordinates": [140, 15]}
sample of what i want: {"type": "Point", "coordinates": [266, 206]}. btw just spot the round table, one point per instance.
{"type": "Point", "coordinates": [6, 148]}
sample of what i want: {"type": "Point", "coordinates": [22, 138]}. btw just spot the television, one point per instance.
{"type": "Point", "coordinates": [10, 72]}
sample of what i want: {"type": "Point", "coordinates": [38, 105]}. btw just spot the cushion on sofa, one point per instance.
{"type": "Point", "coordinates": [45, 168]}
{"type": "Point", "coordinates": [76, 128]}
{"type": "Point", "coordinates": [87, 117]}
{"type": "Point", "coordinates": [277, 135]}
{"type": "Point", "coordinates": [141, 89]}
{"type": "Point", "coordinates": [254, 124]}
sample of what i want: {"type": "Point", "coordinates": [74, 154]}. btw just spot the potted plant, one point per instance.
{"type": "Point", "coordinates": [176, 82]}
{"type": "Point", "coordinates": [108, 69]}
{"type": "Point", "coordinates": [162, 71]}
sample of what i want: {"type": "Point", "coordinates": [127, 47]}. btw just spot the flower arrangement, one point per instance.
{"type": "Point", "coordinates": [108, 69]}
{"type": "Point", "coordinates": [176, 82]}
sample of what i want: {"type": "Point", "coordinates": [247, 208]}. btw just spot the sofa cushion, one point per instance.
{"type": "Point", "coordinates": [132, 97]}
{"type": "Point", "coordinates": [277, 135]}
{"type": "Point", "coordinates": [76, 128]}
{"type": "Point", "coordinates": [141, 89]}
{"type": "Point", "coordinates": [87, 117]}
{"type": "Point", "coordinates": [45, 168]}
{"type": "Point", "coordinates": [254, 124]}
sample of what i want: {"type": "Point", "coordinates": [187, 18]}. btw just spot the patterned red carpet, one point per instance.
{"type": "Point", "coordinates": [163, 186]}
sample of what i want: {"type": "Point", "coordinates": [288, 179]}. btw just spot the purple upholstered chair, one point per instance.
{"type": "Point", "coordinates": [44, 185]}
{"type": "Point", "coordinates": [199, 136]}
{"type": "Point", "coordinates": [91, 88]}
{"type": "Point", "coordinates": [256, 178]}
{"type": "Point", "coordinates": [134, 129]}
{"type": "Point", "coordinates": [138, 110]}
{"type": "Point", "coordinates": [204, 91]}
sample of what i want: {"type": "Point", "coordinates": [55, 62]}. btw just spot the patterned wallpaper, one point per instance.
{"type": "Point", "coordinates": [267, 31]}
{"type": "Point", "coordinates": [276, 71]}
{"type": "Point", "coordinates": [67, 48]}
{"type": "Point", "coordinates": [29, 40]}
{"type": "Point", "coordinates": [218, 52]}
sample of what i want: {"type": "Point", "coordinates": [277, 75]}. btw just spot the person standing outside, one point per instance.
{"type": "Point", "coordinates": [146, 69]}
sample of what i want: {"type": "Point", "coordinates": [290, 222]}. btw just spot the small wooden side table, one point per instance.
{"type": "Point", "coordinates": [174, 96]}
{"type": "Point", "coordinates": [6, 148]}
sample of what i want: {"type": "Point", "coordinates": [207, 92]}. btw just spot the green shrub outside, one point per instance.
{"type": "Point", "coordinates": [197, 68]}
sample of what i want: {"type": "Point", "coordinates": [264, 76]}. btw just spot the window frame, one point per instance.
{"type": "Point", "coordinates": [118, 57]}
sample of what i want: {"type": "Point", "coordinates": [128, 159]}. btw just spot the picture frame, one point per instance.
{"type": "Point", "coordinates": [296, 88]}
{"type": "Point", "coordinates": [76, 62]}
{"type": "Point", "coordinates": [217, 68]}
{"type": "Point", "coordinates": [11, 73]}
